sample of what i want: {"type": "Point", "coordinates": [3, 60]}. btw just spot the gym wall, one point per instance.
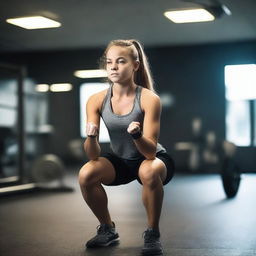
{"type": "Point", "coordinates": [193, 75]}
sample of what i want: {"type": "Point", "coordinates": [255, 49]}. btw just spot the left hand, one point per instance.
{"type": "Point", "coordinates": [133, 127]}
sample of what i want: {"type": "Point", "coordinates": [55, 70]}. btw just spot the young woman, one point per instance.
{"type": "Point", "coordinates": [131, 111]}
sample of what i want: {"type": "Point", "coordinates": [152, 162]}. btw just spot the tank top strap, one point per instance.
{"type": "Point", "coordinates": [110, 91]}
{"type": "Point", "coordinates": [106, 99]}
{"type": "Point", "coordinates": [138, 95]}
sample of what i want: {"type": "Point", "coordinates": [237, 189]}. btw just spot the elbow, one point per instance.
{"type": "Point", "coordinates": [151, 156]}
{"type": "Point", "coordinates": [93, 156]}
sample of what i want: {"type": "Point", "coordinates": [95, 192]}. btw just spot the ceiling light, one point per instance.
{"type": "Point", "coordinates": [42, 87]}
{"type": "Point", "coordinates": [189, 15]}
{"type": "Point", "coordinates": [91, 73]}
{"type": "Point", "coordinates": [62, 87]}
{"type": "Point", "coordinates": [205, 12]}
{"type": "Point", "coordinates": [34, 22]}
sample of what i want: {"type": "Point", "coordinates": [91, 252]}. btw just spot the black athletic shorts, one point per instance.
{"type": "Point", "coordinates": [127, 170]}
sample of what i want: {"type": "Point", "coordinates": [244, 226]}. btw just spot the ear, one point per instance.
{"type": "Point", "coordinates": [136, 65]}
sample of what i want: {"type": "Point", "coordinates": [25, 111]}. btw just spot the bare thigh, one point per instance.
{"type": "Point", "coordinates": [152, 168]}
{"type": "Point", "coordinates": [97, 171]}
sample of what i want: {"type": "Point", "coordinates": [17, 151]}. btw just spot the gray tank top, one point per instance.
{"type": "Point", "coordinates": [121, 141]}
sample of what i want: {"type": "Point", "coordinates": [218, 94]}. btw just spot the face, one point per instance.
{"type": "Point", "coordinates": [119, 65]}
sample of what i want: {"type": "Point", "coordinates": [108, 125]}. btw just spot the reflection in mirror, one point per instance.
{"type": "Point", "coordinates": [24, 125]}
{"type": "Point", "coordinates": [37, 129]}
{"type": "Point", "coordinates": [9, 140]}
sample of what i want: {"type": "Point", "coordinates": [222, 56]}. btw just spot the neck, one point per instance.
{"type": "Point", "coordinates": [124, 89]}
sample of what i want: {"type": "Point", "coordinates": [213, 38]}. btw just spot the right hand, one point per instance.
{"type": "Point", "coordinates": [133, 127]}
{"type": "Point", "coordinates": [91, 129]}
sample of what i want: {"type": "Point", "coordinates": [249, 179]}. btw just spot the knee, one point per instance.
{"type": "Point", "coordinates": [88, 175]}
{"type": "Point", "coordinates": [149, 178]}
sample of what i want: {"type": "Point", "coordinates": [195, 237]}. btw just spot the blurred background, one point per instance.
{"type": "Point", "coordinates": [204, 72]}
{"type": "Point", "coordinates": [195, 67]}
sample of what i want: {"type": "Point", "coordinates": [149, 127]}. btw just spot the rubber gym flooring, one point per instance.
{"type": "Point", "coordinates": [197, 220]}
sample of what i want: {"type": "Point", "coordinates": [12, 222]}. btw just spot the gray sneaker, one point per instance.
{"type": "Point", "coordinates": [106, 235]}
{"type": "Point", "coordinates": [152, 245]}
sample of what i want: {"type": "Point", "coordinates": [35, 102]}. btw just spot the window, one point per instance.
{"type": "Point", "coordinates": [238, 122]}
{"type": "Point", "coordinates": [254, 124]}
{"type": "Point", "coordinates": [240, 83]}
{"type": "Point", "coordinates": [86, 90]}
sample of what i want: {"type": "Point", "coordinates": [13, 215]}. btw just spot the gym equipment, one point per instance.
{"type": "Point", "coordinates": [230, 174]}
{"type": "Point", "coordinates": [47, 174]}
{"type": "Point", "coordinates": [231, 177]}
{"type": "Point", "coordinates": [206, 152]}
{"type": "Point", "coordinates": [47, 170]}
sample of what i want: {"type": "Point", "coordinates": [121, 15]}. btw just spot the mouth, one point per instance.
{"type": "Point", "coordinates": [113, 74]}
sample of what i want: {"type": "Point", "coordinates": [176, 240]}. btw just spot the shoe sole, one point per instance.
{"type": "Point", "coordinates": [152, 253]}
{"type": "Point", "coordinates": [112, 242]}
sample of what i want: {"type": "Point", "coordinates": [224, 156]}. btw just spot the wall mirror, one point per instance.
{"type": "Point", "coordinates": [11, 118]}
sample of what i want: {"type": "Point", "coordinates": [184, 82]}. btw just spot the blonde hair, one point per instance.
{"type": "Point", "coordinates": [143, 75]}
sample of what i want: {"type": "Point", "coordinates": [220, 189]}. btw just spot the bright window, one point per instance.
{"type": "Point", "coordinates": [238, 122]}
{"type": "Point", "coordinates": [240, 83]}
{"type": "Point", "coordinates": [86, 90]}
{"type": "Point", "coordinates": [254, 126]}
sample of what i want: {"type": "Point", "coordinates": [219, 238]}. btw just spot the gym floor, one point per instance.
{"type": "Point", "coordinates": [197, 220]}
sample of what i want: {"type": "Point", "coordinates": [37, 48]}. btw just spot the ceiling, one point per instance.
{"type": "Point", "coordinates": [93, 23]}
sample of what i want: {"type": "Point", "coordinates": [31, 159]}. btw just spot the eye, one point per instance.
{"type": "Point", "coordinates": [121, 61]}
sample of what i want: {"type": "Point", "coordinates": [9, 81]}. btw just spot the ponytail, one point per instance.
{"type": "Point", "coordinates": [143, 75]}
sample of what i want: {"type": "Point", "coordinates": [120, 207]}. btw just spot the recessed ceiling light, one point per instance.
{"type": "Point", "coordinates": [189, 15]}
{"type": "Point", "coordinates": [61, 87]}
{"type": "Point", "coordinates": [91, 73]}
{"type": "Point", "coordinates": [34, 22]}
{"type": "Point", "coordinates": [42, 87]}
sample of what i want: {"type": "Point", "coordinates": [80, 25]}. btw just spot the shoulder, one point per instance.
{"type": "Point", "coordinates": [97, 99]}
{"type": "Point", "coordinates": [149, 99]}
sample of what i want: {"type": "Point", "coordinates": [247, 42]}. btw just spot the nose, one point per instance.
{"type": "Point", "coordinates": [114, 66]}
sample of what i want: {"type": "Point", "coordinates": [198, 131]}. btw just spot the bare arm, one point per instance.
{"type": "Point", "coordinates": [91, 144]}
{"type": "Point", "coordinates": [148, 142]}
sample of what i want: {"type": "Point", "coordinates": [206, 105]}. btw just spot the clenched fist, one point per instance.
{"type": "Point", "coordinates": [134, 127]}
{"type": "Point", "coordinates": [91, 129]}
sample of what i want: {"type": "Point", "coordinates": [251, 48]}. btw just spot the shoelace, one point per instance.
{"type": "Point", "coordinates": [149, 237]}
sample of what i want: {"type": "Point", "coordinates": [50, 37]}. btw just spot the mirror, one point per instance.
{"type": "Point", "coordinates": [11, 132]}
